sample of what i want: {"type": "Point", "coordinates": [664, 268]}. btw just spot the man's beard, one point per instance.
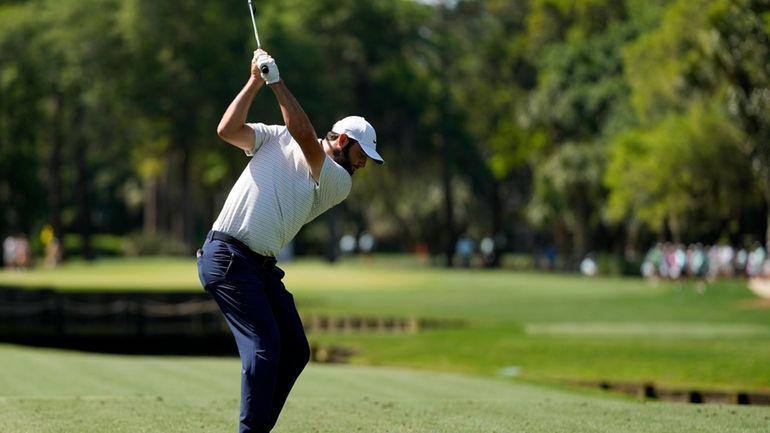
{"type": "Point", "coordinates": [342, 157]}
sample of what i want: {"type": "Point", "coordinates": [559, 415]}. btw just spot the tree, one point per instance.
{"type": "Point", "coordinates": [739, 48]}
{"type": "Point", "coordinates": [685, 176]}
{"type": "Point", "coordinates": [581, 101]}
{"type": "Point", "coordinates": [687, 63]}
{"type": "Point", "coordinates": [22, 194]}
{"type": "Point", "coordinates": [567, 191]}
{"type": "Point", "coordinates": [67, 53]}
{"type": "Point", "coordinates": [397, 78]}
{"type": "Point", "coordinates": [185, 62]}
{"type": "Point", "coordinates": [496, 75]}
{"type": "Point", "coordinates": [82, 47]}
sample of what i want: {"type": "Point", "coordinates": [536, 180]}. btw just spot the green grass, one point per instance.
{"type": "Point", "coordinates": [130, 274]}
{"type": "Point", "coordinates": [47, 391]}
{"type": "Point", "coordinates": [552, 327]}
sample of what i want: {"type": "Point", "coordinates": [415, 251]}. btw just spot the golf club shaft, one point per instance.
{"type": "Point", "coordinates": [254, 23]}
{"type": "Point", "coordinates": [264, 68]}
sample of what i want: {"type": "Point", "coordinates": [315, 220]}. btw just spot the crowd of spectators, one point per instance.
{"type": "Point", "coordinates": [676, 261]}
{"type": "Point", "coordinates": [17, 252]}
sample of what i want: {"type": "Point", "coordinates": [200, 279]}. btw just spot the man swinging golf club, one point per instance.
{"type": "Point", "coordinates": [291, 178]}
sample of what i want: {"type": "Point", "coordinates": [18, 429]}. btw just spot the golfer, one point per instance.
{"type": "Point", "coordinates": [291, 178]}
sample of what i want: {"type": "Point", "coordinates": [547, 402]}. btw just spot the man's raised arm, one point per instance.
{"type": "Point", "coordinates": [294, 117]}
{"type": "Point", "coordinates": [232, 128]}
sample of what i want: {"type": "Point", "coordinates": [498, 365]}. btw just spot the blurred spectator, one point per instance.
{"type": "Point", "coordinates": [677, 259]}
{"type": "Point", "coordinates": [648, 270]}
{"type": "Point", "coordinates": [487, 250]}
{"type": "Point", "coordinates": [727, 254]}
{"type": "Point", "coordinates": [53, 253]}
{"type": "Point", "coordinates": [464, 250]}
{"type": "Point", "coordinates": [756, 260]}
{"type": "Point", "coordinates": [51, 246]}
{"type": "Point", "coordinates": [673, 261]}
{"type": "Point", "coordinates": [9, 252]}
{"type": "Point", "coordinates": [653, 261]}
{"type": "Point", "coordinates": [713, 260]}
{"type": "Point", "coordinates": [588, 266]}
{"type": "Point", "coordinates": [550, 256]}
{"type": "Point", "coordinates": [23, 253]}
{"type": "Point", "coordinates": [741, 261]}
{"type": "Point", "coordinates": [421, 250]}
{"type": "Point", "coordinates": [697, 265]}
{"type": "Point", "coordinates": [348, 244]}
{"type": "Point", "coordinates": [16, 252]}
{"type": "Point", "coordinates": [366, 243]}
{"type": "Point", "coordinates": [665, 261]}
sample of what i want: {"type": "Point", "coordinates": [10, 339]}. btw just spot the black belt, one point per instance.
{"type": "Point", "coordinates": [262, 261]}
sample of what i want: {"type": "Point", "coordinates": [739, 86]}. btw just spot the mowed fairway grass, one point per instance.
{"type": "Point", "coordinates": [543, 328]}
{"type": "Point", "coordinates": [47, 391]}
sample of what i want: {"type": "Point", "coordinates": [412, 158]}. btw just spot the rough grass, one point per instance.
{"type": "Point", "coordinates": [46, 391]}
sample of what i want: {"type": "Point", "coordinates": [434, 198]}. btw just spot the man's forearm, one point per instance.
{"type": "Point", "coordinates": [235, 115]}
{"type": "Point", "coordinates": [299, 127]}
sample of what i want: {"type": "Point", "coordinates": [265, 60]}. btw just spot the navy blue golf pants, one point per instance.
{"type": "Point", "coordinates": [264, 321]}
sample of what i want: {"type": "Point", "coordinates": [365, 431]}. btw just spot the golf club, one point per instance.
{"type": "Point", "coordinates": [264, 68]}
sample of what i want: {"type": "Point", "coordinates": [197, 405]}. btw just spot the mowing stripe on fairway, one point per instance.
{"type": "Point", "coordinates": [46, 391]}
{"type": "Point", "coordinates": [666, 329]}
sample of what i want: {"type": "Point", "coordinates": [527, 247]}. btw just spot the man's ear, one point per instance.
{"type": "Point", "coordinates": [343, 141]}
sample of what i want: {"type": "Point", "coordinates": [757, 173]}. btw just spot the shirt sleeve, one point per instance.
{"type": "Point", "coordinates": [262, 134]}
{"type": "Point", "coordinates": [333, 185]}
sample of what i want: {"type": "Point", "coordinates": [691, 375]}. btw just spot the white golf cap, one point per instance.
{"type": "Point", "coordinates": [357, 128]}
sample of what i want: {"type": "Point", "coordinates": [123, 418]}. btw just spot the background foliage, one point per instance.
{"type": "Point", "coordinates": [581, 125]}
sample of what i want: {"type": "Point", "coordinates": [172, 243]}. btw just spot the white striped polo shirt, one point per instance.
{"type": "Point", "coordinates": [275, 195]}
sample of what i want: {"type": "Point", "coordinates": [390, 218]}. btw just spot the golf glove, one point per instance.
{"type": "Point", "coordinates": [265, 61]}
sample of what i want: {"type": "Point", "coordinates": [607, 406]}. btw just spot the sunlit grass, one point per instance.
{"type": "Point", "coordinates": [48, 391]}
{"type": "Point", "coordinates": [550, 326]}
{"type": "Point", "coordinates": [162, 274]}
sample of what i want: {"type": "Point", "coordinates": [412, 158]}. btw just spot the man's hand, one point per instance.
{"type": "Point", "coordinates": [263, 62]}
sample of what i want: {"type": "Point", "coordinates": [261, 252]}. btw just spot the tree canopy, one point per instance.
{"type": "Point", "coordinates": [559, 122]}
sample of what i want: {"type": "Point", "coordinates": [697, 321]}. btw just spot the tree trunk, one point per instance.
{"type": "Point", "coordinates": [81, 187]}
{"type": "Point", "coordinates": [579, 240]}
{"type": "Point", "coordinates": [186, 202]}
{"type": "Point", "coordinates": [180, 214]}
{"type": "Point", "coordinates": [54, 169]}
{"type": "Point", "coordinates": [675, 229]}
{"type": "Point", "coordinates": [561, 243]}
{"type": "Point", "coordinates": [497, 226]}
{"type": "Point", "coordinates": [449, 231]}
{"type": "Point", "coordinates": [766, 193]}
{"type": "Point", "coordinates": [165, 195]}
{"type": "Point", "coordinates": [332, 248]}
{"type": "Point", "coordinates": [767, 230]}
{"type": "Point", "coordinates": [150, 216]}
{"type": "Point", "coordinates": [174, 197]}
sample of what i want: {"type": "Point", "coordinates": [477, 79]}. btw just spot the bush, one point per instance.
{"type": "Point", "coordinates": [102, 245]}
{"type": "Point", "coordinates": [617, 265]}
{"type": "Point", "coordinates": [159, 244]}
